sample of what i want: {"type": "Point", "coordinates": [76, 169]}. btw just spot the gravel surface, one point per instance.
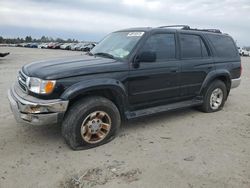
{"type": "Point", "coordinates": [186, 148]}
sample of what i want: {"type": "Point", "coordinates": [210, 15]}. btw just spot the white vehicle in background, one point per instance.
{"type": "Point", "coordinates": [65, 46]}
{"type": "Point", "coordinates": [243, 52]}
{"type": "Point", "coordinates": [43, 45]}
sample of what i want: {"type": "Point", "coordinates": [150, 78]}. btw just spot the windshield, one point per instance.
{"type": "Point", "coordinates": [117, 45]}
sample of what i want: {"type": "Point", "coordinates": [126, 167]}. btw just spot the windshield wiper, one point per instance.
{"type": "Point", "coordinates": [105, 55]}
{"type": "Point", "coordinates": [89, 53]}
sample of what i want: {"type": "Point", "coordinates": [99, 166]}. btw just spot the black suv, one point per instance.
{"type": "Point", "coordinates": [131, 73]}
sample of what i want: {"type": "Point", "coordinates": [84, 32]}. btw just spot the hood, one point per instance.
{"type": "Point", "coordinates": [72, 66]}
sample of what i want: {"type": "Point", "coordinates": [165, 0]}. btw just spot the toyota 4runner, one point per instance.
{"type": "Point", "coordinates": [131, 73]}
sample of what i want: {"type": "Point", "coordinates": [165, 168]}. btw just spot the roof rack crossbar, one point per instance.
{"type": "Point", "coordinates": [207, 30]}
{"type": "Point", "coordinates": [181, 26]}
{"type": "Point", "coordinates": [186, 27]}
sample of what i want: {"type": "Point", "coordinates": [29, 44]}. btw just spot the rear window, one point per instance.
{"type": "Point", "coordinates": [224, 45]}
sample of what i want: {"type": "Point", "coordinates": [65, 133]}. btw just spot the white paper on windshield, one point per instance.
{"type": "Point", "coordinates": [135, 34]}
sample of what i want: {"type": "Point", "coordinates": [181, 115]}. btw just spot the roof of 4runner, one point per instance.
{"type": "Point", "coordinates": [174, 28]}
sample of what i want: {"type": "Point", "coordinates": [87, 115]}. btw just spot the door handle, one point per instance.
{"type": "Point", "coordinates": [173, 69]}
{"type": "Point", "coordinates": [210, 67]}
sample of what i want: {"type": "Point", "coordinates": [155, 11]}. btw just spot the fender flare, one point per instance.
{"type": "Point", "coordinates": [97, 84]}
{"type": "Point", "coordinates": [212, 76]}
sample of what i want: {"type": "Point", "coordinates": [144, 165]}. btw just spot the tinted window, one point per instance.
{"type": "Point", "coordinates": [192, 46]}
{"type": "Point", "coordinates": [162, 44]}
{"type": "Point", "coordinates": [224, 45]}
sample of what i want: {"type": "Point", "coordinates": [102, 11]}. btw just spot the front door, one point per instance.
{"type": "Point", "coordinates": [154, 83]}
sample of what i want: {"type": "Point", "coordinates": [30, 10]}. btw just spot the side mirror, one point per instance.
{"type": "Point", "coordinates": [147, 57]}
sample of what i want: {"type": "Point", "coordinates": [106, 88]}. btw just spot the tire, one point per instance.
{"type": "Point", "coordinates": [218, 88]}
{"type": "Point", "coordinates": [87, 121]}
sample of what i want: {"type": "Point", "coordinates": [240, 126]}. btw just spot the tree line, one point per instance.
{"type": "Point", "coordinates": [28, 39]}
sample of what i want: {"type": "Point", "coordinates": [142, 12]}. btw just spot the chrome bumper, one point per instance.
{"type": "Point", "coordinates": [235, 83]}
{"type": "Point", "coordinates": [35, 111]}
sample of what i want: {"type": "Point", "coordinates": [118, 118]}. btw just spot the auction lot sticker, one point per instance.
{"type": "Point", "coordinates": [135, 34]}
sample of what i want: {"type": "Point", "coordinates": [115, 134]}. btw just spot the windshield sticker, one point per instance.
{"type": "Point", "coordinates": [135, 34]}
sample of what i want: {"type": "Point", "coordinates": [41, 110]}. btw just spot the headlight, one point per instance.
{"type": "Point", "coordinates": [39, 86]}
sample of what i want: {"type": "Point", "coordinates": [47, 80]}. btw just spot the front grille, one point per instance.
{"type": "Point", "coordinates": [22, 81]}
{"type": "Point", "coordinates": [22, 86]}
{"type": "Point", "coordinates": [22, 76]}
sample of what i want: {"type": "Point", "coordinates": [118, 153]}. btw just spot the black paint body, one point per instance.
{"type": "Point", "coordinates": [135, 88]}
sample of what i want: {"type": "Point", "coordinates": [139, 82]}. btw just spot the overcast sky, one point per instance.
{"type": "Point", "coordinates": [93, 19]}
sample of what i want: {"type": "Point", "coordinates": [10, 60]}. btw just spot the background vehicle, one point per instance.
{"type": "Point", "coordinates": [87, 47]}
{"type": "Point", "coordinates": [42, 45]}
{"type": "Point", "coordinates": [77, 46]}
{"type": "Point", "coordinates": [21, 45]}
{"type": "Point", "coordinates": [243, 52]}
{"type": "Point", "coordinates": [51, 45]}
{"type": "Point", "coordinates": [131, 73]}
{"type": "Point", "coordinates": [56, 46]}
{"type": "Point", "coordinates": [65, 46]}
{"type": "Point", "coordinates": [31, 45]}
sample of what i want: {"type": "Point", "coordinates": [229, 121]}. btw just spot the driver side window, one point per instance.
{"type": "Point", "coordinates": [163, 45]}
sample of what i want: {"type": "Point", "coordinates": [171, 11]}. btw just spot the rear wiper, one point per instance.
{"type": "Point", "coordinates": [105, 55]}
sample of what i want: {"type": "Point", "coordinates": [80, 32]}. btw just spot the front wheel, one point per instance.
{"type": "Point", "coordinates": [214, 97]}
{"type": "Point", "coordinates": [91, 122]}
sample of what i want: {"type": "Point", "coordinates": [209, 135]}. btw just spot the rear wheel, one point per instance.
{"type": "Point", "coordinates": [91, 122]}
{"type": "Point", "coordinates": [214, 97]}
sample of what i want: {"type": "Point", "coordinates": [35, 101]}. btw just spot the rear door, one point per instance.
{"type": "Point", "coordinates": [196, 63]}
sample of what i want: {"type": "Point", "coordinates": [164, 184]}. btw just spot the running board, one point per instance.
{"type": "Point", "coordinates": [163, 108]}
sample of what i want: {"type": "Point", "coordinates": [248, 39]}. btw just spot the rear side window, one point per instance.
{"type": "Point", "coordinates": [192, 46]}
{"type": "Point", "coordinates": [224, 45]}
{"type": "Point", "coordinates": [162, 44]}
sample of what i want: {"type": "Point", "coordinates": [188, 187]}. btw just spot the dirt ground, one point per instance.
{"type": "Point", "coordinates": [186, 148]}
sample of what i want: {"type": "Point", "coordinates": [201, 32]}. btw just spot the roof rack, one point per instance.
{"type": "Point", "coordinates": [181, 26]}
{"type": "Point", "coordinates": [186, 27]}
{"type": "Point", "coordinates": [207, 30]}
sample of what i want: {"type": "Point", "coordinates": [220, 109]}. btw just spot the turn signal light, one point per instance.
{"type": "Point", "coordinates": [49, 86]}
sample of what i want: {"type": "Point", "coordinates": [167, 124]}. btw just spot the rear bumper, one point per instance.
{"type": "Point", "coordinates": [235, 83]}
{"type": "Point", "coordinates": [35, 111]}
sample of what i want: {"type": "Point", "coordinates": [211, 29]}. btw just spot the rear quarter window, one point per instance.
{"type": "Point", "coordinates": [224, 45]}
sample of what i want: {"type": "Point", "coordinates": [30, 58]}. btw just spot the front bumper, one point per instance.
{"type": "Point", "coordinates": [35, 111]}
